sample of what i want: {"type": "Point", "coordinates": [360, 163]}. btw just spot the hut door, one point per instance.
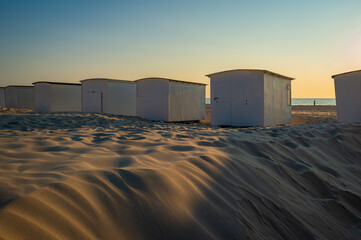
{"type": "Point", "coordinates": [221, 101]}
{"type": "Point", "coordinates": [96, 101]}
{"type": "Point", "coordinates": [247, 102]}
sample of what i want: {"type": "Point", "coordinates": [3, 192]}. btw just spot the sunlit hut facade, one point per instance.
{"type": "Point", "coordinates": [249, 97]}
{"type": "Point", "coordinates": [21, 97]}
{"type": "Point", "coordinates": [348, 96]}
{"type": "Point", "coordinates": [170, 100]}
{"type": "Point", "coordinates": [57, 97]}
{"type": "Point", "coordinates": [2, 97]}
{"type": "Point", "coordinates": [111, 96]}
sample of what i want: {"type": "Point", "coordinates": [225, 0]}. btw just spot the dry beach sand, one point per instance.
{"type": "Point", "coordinates": [93, 176]}
{"type": "Point", "coordinates": [313, 114]}
{"type": "Point", "coordinates": [300, 114]}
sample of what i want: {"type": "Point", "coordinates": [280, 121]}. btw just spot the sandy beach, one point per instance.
{"type": "Point", "coordinates": [313, 114]}
{"type": "Point", "coordinates": [300, 115]}
{"type": "Point", "coordinates": [98, 176]}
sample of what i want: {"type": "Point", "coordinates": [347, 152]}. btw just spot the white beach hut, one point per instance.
{"type": "Point", "coordinates": [170, 100]}
{"type": "Point", "coordinates": [2, 97]}
{"type": "Point", "coordinates": [246, 97]}
{"type": "Point", "coordinates": [112, 96]}
{"type": "Point", "coordinates": [348, 96]}
{"type": "Point", "coordinates": [21, 97]}
{"type": "Point", "coordinates": [57, 97]}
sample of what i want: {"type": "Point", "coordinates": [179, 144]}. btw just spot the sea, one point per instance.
{"type": "Point", "coordinates": [311, 101]}
{"type": "Point", "coordinates": [305, 101]}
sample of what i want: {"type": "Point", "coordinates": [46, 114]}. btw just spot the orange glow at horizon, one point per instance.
{"type": "Point", "coordinates": [68, 41]}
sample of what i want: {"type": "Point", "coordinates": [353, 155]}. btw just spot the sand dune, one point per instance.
{"type": "Point", "coordinates": [92, 176]}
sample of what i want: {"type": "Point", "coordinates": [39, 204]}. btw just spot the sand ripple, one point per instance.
{"type": "Point", "coordinates": [91, 176]}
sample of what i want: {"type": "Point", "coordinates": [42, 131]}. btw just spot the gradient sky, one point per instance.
{"type": "Point", "coordinates": [61, 40]}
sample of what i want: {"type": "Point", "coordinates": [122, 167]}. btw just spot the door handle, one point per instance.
{"type": "Point", "coordinates": [215, 99]}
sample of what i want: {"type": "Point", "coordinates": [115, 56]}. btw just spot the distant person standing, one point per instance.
{"type": "Point", "coordinates": [314, 102]}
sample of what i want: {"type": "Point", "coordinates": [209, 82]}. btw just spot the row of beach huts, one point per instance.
{"type": "Point", "coordinates": [241, 97]}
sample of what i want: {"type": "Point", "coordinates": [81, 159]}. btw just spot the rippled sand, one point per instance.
{"type": "Point", "coordinates": [92, 176]}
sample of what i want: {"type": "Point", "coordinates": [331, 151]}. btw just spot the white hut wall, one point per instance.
{"type": "Point", "coordinates": [94, 96]}
{"type": "Point", "coordinates": [11, 97]}
{"type": "Point", "coordinates": [65, 98]}
{"type": "Point", "coordinates": [25, 98]}
{"type": "Point", "coordinates": [152, 99]}
{"type": "Point", "coordinates": [237, 99]}
{"type": "Point", "coordinates": [2, 97]}
{"type": "Point", "coordinates": [42, 100]}
{"type": "Point", "coordinates": [276, 107]}
{"type": "Point", "coordinates": [186, 101]}
{"type": "Point", "coordinates": [348, 97]}
{"type": "Point", "coordinates": [122, 98]}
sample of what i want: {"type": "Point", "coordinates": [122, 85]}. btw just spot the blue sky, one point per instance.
{"type": "Point", "coordinates": [71, 40]}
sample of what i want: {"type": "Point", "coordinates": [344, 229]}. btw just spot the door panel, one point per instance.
{"type": "Point", "coordinates": [240, 102]}
{"type": "Point", "coordinates": [221, 105]}
{"type": "Point", "coordinates": [95, 102]}
{"type": "Point", "coordinates": [247, 102]}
